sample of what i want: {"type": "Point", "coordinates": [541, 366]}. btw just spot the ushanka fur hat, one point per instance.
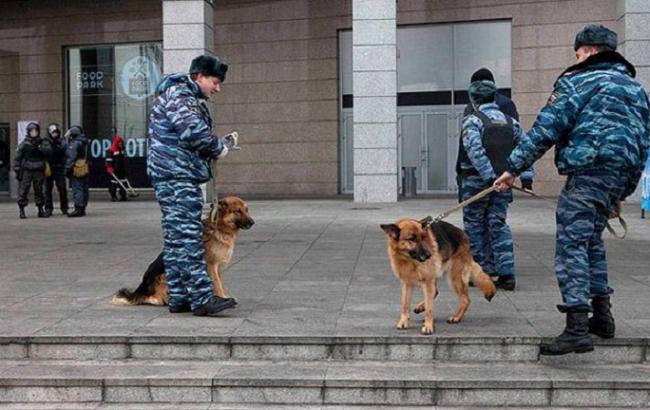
{"type": "Point", "coordinates": [596, 35]}
{"type": "Point", "coordinates": [209, 65]}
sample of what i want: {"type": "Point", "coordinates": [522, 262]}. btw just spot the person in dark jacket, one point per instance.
{"type": "Point", "coordinates": [77, 150]}
{"type": "Point", "coordinates": [597, 118]}
{"type": "Point", "coordinates": [116, 165]}
{"type": "Point", "coordinates": [57, 165]}
{"type": "Point", "coordinates": [29, 166]}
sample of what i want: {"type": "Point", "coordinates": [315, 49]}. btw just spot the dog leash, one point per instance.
{"type": "Point", "coordinates": [607, 224]}
{"type": "Point", "coordinates": [430, 220]}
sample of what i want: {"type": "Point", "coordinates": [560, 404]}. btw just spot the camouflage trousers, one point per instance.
{"type": "Point", "coordinates": [181, 203]}
{"type": "Point", "coordinates": [485, 224]}
{"type": "Point", "coordinates": [580, 261]}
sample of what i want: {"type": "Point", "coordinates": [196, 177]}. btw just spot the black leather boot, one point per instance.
{"type": "Point", "coordinates": [48, 212]}
{"type": "Point", "coordinates": [214, 306]}
{"type": "Point", "coordinates": [506, 283]}
{"type": "Point", "coordinates": [602, 322]}
{"type": "Point", "coordinates": [21, 212]}
{"type": "Point", "coordinates": [41, 212]}
{"type": "Point", "coordinates": [574, 339]}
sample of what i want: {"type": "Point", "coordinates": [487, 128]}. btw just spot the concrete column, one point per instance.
{"type": "Point", "coordinates": [633, 27]}
{"type": "Point", "coordinates": [374, 67]}
{"type": "Point", "coordinates": [188, 31]}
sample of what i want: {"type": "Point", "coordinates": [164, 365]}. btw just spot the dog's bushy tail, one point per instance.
{"type": "Point", "coordinates": [126, 297]}
{"type": "Point", "coordinates": [482, 281]}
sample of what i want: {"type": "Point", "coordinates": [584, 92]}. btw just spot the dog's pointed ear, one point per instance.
{"type": "Point", "coordinates": [391, 230]}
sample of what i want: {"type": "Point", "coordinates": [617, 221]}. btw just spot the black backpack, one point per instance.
{"type": "Point", "coordinates": [498, 140]}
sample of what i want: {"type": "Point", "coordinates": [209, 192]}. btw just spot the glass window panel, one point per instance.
{"type": "Point", "coordinates": [425, 60]}
{"type": "Point", "coordinates": [345, 61]}
{"type": "Point", "coordinates": [479, 45]}
{"type": "Point", "coordinates": [110, 91]}
{"type": "Point", "coordinates": [437, 152]}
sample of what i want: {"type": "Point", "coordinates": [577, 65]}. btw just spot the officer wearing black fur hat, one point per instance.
{"type": "Point", "coordinates": [57, 165]}
{"type": "Point", "coordinates": [597, 118]}
{"type": "Point", "coordinates": [76, 168]}
{"type": "Point", "coordinates": [29, 165]}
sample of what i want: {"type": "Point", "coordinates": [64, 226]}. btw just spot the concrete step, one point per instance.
{"type": "Point", "coordinates": [218, 406]}
{"type": "Point", "coordinates": [342, 383]}
{"type": "Point", "coordinates": [408, 348]}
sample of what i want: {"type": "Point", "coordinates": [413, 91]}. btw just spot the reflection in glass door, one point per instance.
{"type": "Point", "coordinates": [435, 62]}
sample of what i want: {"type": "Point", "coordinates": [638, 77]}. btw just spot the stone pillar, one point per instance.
{"type": "Point", "coordinates": [374, 67]}
{"type": "Point", "coordinates": [188, 31]}
{"type": "Point", "coordinates": [633, 27]}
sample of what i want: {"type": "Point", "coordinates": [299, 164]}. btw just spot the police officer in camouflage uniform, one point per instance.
{"type": "Point", "coordinates": [180, 147]}
{"type": "Point", "coordinates": [597, 117]}
{"type": "Point", "coordinates": [29, 166]}
{"type": "Point", "coordinates": [506, 106]}
{"type": "Point", "coordinates": [485, 219]}
{"type": "Point", "coordinates": [57, 164]}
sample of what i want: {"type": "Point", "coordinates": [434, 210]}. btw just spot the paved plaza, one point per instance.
{"type": "Point", "coordinates": [307, 268]}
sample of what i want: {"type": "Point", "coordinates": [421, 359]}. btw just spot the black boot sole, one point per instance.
{"type": "Point", "coordinates": [581, 349]}
{"type": "Point", "coordinates": [230, 303]}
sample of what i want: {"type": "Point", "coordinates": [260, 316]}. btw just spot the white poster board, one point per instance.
{"type": "Point", "coordinates": [21, 130]}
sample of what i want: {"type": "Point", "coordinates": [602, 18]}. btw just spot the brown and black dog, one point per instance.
{"type": "Point", "coordinates": [421, 253]}
{"type": "Point", "coordinates": [219, 241]}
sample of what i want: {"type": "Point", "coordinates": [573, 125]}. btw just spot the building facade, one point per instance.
{"type": "Point", "coordinates": [329, 97]}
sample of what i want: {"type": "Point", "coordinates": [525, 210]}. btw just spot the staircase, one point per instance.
{"type": "Point", "coordinates": [204, 372]}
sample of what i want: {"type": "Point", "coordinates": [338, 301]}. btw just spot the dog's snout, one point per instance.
{"type": "Point", "coordinates": [248, 224]}
{"type": "Point", "coordinates": [420, 255]}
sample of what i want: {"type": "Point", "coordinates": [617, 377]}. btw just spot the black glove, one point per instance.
{"type": "Point", "coordinates": [527, 184]}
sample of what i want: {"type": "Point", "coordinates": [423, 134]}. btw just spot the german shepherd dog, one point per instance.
{"type": "Point", "coordinates": [420, 253]}
{"type": "Point", "coordinates": [219, 241]}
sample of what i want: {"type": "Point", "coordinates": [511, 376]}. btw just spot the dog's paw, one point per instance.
{"type": "Point", "coordinates": [427, 329]}
{"type": "Point", "coordinates": [403, 324]}
{"type": "Point", "coordinates": [453, 319]}
{"type": "Point", "coordinates": [418, 309]}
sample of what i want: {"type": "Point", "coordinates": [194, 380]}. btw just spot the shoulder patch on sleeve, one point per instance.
{"type": "Point", "coordinates": [553, 98]}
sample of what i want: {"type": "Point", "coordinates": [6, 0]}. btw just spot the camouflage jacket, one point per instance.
{"type": "Point", "coordinates": [597, 117]}
{"type": "Point", "coordinates": [473, 142]}
{"type": "Point", "coordinates": [180, 142]}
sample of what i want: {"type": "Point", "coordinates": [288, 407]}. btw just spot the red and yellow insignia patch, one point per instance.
{"type": "Point", "coordinates": [553, 98]}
